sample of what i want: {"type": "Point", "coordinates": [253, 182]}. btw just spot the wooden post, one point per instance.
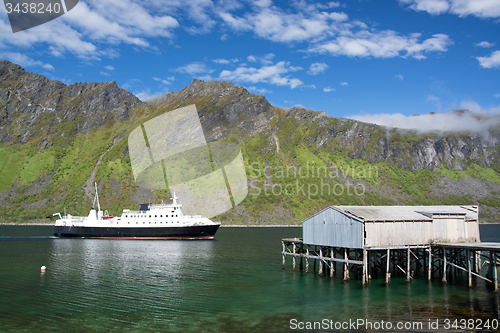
{"type": "Point", "coordinates": [293, 257]}
{"type": "Point", "coordinates": [444, 265]}
{"type": "Point", "coordinates": [408, 265]}
{"type": "Point", "coordinates": [320, 273]}
{"type": "Point", "coordinates": [429, 272]}
{"type": "Point", "coordinates": [346, 265]}
{"type": "Point", "coordinates": [365, 266]}
{"type": "Point", "coordinates": [332, 270]}
{"type": "Point", "coordinates": [495, 272]}
{"type": "Point", "coordinates": [478, 261]}
{"type": "Point", "coordinates": [283, 254]}
{"type": "Point", "coordinates": [469, 267]}
{"type": "Point", "coordinates": [307, 259]}
{"type": "Point", "coordinates": [387, 273]}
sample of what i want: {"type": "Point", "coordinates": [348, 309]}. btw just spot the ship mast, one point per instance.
{"type": "Point", "coordinates": [96, 198]}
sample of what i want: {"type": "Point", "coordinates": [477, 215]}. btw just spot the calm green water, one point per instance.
{"type": "Point", "coordinates": [231, 284]}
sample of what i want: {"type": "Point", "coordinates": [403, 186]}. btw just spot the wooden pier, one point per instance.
{"type": "Point", "coordinates": [438, 260]}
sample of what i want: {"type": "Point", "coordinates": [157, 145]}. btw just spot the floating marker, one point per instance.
{"type": "Point", "coordinates": [42, 269]}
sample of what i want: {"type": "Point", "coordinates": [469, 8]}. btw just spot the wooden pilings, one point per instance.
{"type": "Point", "coordinates": [443, 260]}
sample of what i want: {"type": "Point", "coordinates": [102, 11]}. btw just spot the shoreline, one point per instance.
{"type": "Point", "coordinates": [49, 224]}
{"type": "Point", "coordinates": [222, 225]}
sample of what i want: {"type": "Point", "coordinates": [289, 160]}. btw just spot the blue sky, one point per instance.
{"type": "Point", "coordinates": [377, 61]}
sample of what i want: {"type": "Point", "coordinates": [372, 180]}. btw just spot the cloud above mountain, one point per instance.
{"type": "Point", "coordinates": [451, 121]}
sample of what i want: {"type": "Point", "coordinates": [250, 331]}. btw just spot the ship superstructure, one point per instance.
{"type": "Point", "coordinates": [158, 221]}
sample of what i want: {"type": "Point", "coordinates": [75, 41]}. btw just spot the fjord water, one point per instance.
{"type": "Point", "coordinates": [231, 284]}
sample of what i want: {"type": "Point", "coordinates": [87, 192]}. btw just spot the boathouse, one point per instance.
{"type": "Point", "coordinates": [359, 227]}
{"type": "Point", "coordinates": [367, 240]}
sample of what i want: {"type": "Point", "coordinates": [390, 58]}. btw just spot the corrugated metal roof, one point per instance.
{"type": "Point", "coordinates": [407, 213]}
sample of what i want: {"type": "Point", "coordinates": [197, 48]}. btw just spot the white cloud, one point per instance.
{"type": "Point", "coordinates": [259, 90]}
{"type": "Point", "coordinates": [475, 107]}
{"type": "Point", "coordinates": [462, 8]}
{"type": "Point", "coordinates": [399, 76]}
{"type": "Point", "coordinates": [485, 44]}
{"type": "Point", "coordinates": [110, 68]}
{"type": "Point", "coordinates": [434, 7]}
{"type": "Point", "coordinates": [221, 61]}
{"type": "Point", "coordinates": [317, 68]}
{"type": "Point", "coordinates": [331, 32]}
{"type": "Point", "coordinates": [490, 62]}
{"type": "Point", "coordinates": [385, 44]}
{"type": "Point", "coordinates": [225, 61]}
{"type": "Point", "coordinates": [328, 89]}
{"type": "Point", "coordinates": [431, 122]}
{"type": "Point", "coordinates": [104, 73]}
{"type": "Point", "coordinates": [237, 23]}
{"type": "Point", "coordinates": [434, 100]}
{"type": "Point", "coordinates": [496, 95]}
{"type": "Point", "coordinates": [265, 60]}
{"type": "Point", "coordinates": [344, 83]}
{"type": "Point", "coordinates": [92, 29]}
{"type": "Point", "coordinates": [23, 60]}
{"type": "Point", "coordinates": [95, 29]}
{"type": "Point", "coordinates": [273, 74]}
{"type": "Point", "coordinates": [168, 80]}
{"type": "Point", "coordinates": [194, 68]}
{"type": "Point", "coordinates": [147, 95]}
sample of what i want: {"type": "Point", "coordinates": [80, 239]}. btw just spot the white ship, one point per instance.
{"type": "Point", "coordinates": [151, 221]}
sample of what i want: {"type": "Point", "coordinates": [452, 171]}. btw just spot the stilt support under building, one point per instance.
{"type": "Point", "coordinates": [444, 260]}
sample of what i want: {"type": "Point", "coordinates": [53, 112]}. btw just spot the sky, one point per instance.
{"type": "Point", "coordinates": [372, 60]}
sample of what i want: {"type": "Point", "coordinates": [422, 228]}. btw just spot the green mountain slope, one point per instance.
{"type": "Point", "coordinates": [56, 140]}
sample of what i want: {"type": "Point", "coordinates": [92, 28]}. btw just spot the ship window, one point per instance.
{"type": "Point", "coordinates": [149, 222]}
{"type": "Point", "coordinates": [156, 215]}
{"type": "Point", "coordinates": [149, 215]}
{"type": "Point", "coordinates": [136, 222]}
{"type": "Point", "coordinates": [125, 215]}
{"type": "Point", "coordinates": [161, 215]}
{"type": "Point", "coordinates": [176, 215]}
{"type": "Point", "coordinates": [129, 223]}
{"type": "Point", "coordinates": [143, 222]}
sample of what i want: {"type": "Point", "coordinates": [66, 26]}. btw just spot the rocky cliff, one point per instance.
{"type": "Point", "coordinates": [56, 139]}
{"type": "Point", "coordinates": [27, 100]}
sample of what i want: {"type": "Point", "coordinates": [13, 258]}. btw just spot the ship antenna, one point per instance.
{"type": "Point", "coordinates": [174, 198]}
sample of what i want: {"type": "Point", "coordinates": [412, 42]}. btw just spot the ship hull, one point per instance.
{"type": "Point", "coordinates": [189, 232]}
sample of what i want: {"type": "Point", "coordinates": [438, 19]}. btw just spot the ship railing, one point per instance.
{"type": "Point", "coordinates": [138, 212]}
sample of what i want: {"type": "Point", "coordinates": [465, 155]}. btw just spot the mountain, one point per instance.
{"type": "Point", "coordinates": [56, 140]}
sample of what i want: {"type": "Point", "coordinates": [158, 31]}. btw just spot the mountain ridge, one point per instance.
{"type": "Point", "coordinates": [56, 139]}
